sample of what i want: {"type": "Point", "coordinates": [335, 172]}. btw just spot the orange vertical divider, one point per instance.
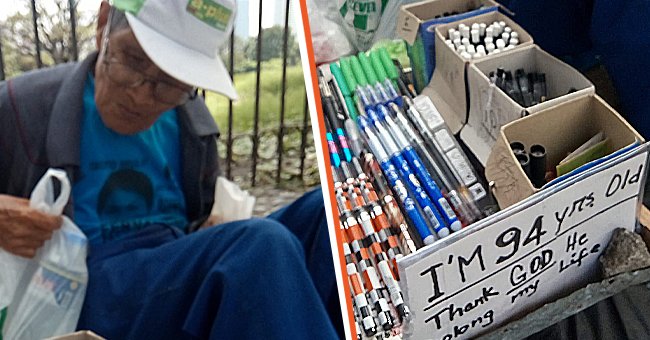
{"type": "Point", "coordinates": [328, 169]}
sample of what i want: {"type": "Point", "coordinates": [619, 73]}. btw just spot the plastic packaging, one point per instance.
{"type": "Point", "coordinates": [234, 203]}
{"type": "Point", "coordinates": [45, 295]}
{"type": "Point", "coordinates": [342, 27]}
{"type": "Point", "coordinates": [328, 38]}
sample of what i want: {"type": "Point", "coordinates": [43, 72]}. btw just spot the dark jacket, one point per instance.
{"type": "Point", "coordinates": [40, 123]}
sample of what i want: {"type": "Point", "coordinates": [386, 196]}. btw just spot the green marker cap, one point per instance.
{"type": "Point", "coordinates": [351, 108]}
{"type": "Point", "coordinates": [390, 68]}
{"type": "Point", "coordinates": [358, 71]}
{"type": "Point", "coordinates": [340, 80]}
{"type": "Point", "coordinates": [378, 66]}
{"type": "Point", "coordinates": [347, 73]}
{"type": "Point", "coordinates": [367, 68]}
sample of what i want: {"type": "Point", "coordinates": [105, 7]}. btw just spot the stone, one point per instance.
{"type": "Point", "coordinates": [626, 252]}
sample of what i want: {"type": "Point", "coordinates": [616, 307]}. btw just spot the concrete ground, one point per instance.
{"type": "Point", "coordinates": [270, 199]}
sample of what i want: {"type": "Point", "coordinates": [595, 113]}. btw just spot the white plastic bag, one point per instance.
{"type": "Point", "coordinates": [364, 22]}
{"type": "Point", "coordinates": [45, 295]}
{"type": "Point", "coordinates": [327, 35]}
{"type": "Point", "coordinates": [231, 202]}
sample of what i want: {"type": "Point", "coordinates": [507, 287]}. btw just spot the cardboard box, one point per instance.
{"type": "Point", "coordinates": [416, 23]}
{"type": "Point", "coordinates": [491, 108]}
{"type": "Point", "coordinates": [448, 86]}
{"type": "Point", "coordinates": [560, 129]}
{"type": "Point", "coordinates": [542, 249]}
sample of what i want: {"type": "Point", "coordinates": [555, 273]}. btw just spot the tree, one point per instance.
{"type": "Point", "coordinates": [272, 44]}
{"type": "Point", "coordinates": [55, 33]}
{"type": "Point", "coordinates": [241, 61]}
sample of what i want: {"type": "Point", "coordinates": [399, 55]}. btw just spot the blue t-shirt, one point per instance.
{"type": "Point", "coordinates": [127, 181]}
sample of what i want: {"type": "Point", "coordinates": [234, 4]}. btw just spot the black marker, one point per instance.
{"type": "Point", "coordinates": [334, 117]}
{"type": "Point", "coordinates": [527, 89]}
{"type": "Point", "coordinates": [512, 88]}
{"type": "Point", "coordinates": [492, 77]}
{"type": "Point", "coordinates": [500, 77]}
{"type": "Point", "coordinates": [524, 86]}
{"type": "Point", "coordinates": [517, 147]}
{"type": "Point", "coordinates": [331, 145]}
{"type": "Point", "coordinates": [524, 161]}
{"type": "Point", "coordinates": [403, 82]}
{"type": "Point", "coordinates": [542, 78]}
{"type": "Point", "coordinates": [537, 165]}
{"type": "Point", "coordinates": [339, 107]}
{"type": "Point", "coordinates": [535, 88]}
{"type": "Point", "coordinates": [515, 93]}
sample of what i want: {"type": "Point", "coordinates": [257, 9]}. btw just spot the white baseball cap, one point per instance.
{"type": "Point", "coordinates": [182, 37]}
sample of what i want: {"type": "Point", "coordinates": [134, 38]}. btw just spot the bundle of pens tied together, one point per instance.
{"type": "Point", "coordinates": [527, 89]}
{"type": "Point", "coordinates": [479, 39]}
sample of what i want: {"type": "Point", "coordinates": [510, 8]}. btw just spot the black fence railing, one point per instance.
{"type": "Point", "coordinates": [286, 160]}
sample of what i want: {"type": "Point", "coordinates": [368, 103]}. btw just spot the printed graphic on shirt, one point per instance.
{"type": "Point", "coordinates": [131, 196]}
{"type": "Point", "coordinates": [127, 195]}
{"type": "Point", "coordinates": [127, 182]}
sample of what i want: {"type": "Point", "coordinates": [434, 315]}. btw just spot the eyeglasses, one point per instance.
{"type": "Point", "coordinates": [127, 76]}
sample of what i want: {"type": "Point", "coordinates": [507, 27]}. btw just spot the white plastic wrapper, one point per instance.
{"type": "Point", "coordinates": [361, 20]}
{"type": "Point", "coordinates": [364, 22]}
{"type": "Point", "coordinates": [328, 38]}
{"type": "Point", "coordinates": [231, 203]}
{"type": "Point", "coordinates": [44, 295]}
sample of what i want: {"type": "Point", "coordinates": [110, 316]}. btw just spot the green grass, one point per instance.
{"type": "Point", "coordinates": [270, 98]}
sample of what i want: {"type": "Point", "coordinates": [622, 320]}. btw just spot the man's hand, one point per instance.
{"type": "Point", "coordinates": [23, 230]}
{"type": "Point", "coordinates": [211, 221]}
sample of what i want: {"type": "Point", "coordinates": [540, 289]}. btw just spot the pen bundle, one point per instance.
{"type": "Point", "coordinates": [527, 89]}
{"type": "Point", "coordinates": [480, 39]}
{"type": "Point", "coordinates": [372, 243]}
{"type": "Point", "coordinates": [397, 184]}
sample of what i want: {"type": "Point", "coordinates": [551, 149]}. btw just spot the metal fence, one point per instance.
{"type": "Point", "coordinates": [281, 132]}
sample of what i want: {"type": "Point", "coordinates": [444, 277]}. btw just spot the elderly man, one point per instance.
{"type": "Point", "coordinates": [132, 109]}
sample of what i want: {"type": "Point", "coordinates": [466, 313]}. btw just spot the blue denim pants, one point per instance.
{"type": "Point", "coordinates": [269, 278]}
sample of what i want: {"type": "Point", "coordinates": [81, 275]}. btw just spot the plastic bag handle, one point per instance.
{"type": "Point", "coordinates": [42, 197]}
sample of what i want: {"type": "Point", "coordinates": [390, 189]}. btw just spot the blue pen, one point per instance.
{"type": "Point", "coordinates": [429, 209]}
{"type": "Point", "coordinates": [448, 214]}
{"type": "Point", "coordinates": [465, 212]}
{"type": "Point", "coordinates": [371, 78]}
{"type": "Point", "coordinates": [395, 182]}
{"type": "Point", "coordinates": [362, 81]}
{"type": "Point", "coordinates": [376, 75]}
{"type": "Point", "coordinates": [378, 67]}
{"type": "Point", "coordinates": [359, 92]}
{"type": "Point", "coordinates": [451, 178]}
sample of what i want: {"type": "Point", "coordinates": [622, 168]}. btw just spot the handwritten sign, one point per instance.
{"type": "Point", "coordinates": [519, 259]}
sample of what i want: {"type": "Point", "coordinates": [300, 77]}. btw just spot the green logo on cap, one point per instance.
{"type": "Point", "coordinates": [211, 13]}
{"type": "Point", "coordinates": [131, 6]}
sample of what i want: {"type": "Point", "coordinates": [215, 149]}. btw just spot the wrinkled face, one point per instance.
{"type": "Point", "coordinates": [127, 109]}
